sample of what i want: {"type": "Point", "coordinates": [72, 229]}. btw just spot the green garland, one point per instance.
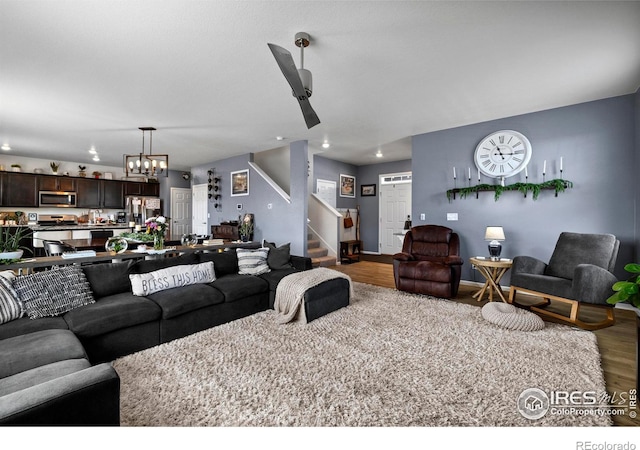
{"type": "Point", "coordinates": [535, 188]}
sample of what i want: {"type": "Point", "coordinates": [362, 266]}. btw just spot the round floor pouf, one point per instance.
{"type": "Point", "coordinates": [508, 316]}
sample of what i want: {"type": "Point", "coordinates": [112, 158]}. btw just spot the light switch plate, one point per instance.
{"type": "Point", "coordinates": [423, 216]}
{"type": "Point", "coordinates": [452, 216]}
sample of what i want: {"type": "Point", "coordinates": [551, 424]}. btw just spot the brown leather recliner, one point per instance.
{"type": "Point", "coordinates": [430, 262]}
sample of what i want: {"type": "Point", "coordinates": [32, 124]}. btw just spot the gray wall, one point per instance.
{"type": "Point", "coordinates": [598, 143]}
{"type": "Point", "coordinates": [328, 169]}
{"type": "Point", "coordinates": [282, 222]}
{"type": "Point", "coordinates": [637, 171]}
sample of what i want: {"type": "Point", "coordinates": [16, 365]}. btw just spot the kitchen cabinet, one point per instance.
{"type": "Point", "coordinates": [145, 189]}
{"type": "Point", "coordinates": [92, 193]}
{"type": "Point", "coordinates": [18, 189]}
{"type": "Point", "coordinates": [56, 183]}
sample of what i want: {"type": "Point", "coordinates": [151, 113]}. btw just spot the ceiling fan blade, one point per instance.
{"type": "Point", "coordinates": [290, 71]}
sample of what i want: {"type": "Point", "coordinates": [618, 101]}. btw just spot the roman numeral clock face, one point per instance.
{"type": "Point", "coordinates": [503, 154]}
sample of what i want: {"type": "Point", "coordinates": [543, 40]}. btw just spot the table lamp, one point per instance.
{"type": "Point", "coordinates": [495, 235]}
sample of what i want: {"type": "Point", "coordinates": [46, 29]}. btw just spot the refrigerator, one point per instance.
{"type": "Point", "coordinates": [139, 208]}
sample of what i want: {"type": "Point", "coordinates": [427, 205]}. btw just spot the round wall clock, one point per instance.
{"type": "Point", "coordinates": [503, 154]}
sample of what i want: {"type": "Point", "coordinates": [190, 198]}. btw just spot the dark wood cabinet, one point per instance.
{"type": "Point", "coordinates": [112, 194]}
{"type": "Point", "coordinates": [140, 188]}
{"type": "Point", "coordinates": [93, 193]}
{"type": "Point", "coordinates": [226, 230]}
{"type": "Point", "coordinates": [19, 189]}
{"type": "Point", "coordinates": [56, 183]}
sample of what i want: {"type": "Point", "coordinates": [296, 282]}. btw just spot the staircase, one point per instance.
{"type": "Point", "coordinates": [319, 255]}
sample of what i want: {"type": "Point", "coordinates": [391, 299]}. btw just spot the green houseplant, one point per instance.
{"type": "Point", "coordinates": [54, 167]}
{"type": "Point", "coordinates": [245, 230]}
{"type": "Point", "coordinates": [10, 247]}
{"type": "Point", "coordinates": [627, 291]}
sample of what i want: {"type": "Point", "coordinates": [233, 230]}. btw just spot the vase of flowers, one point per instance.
{"type": "Point", "coordinates": [157, 226]}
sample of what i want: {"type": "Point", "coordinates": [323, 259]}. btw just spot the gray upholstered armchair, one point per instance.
{"type": "Point", "coordinates": [579, 272]}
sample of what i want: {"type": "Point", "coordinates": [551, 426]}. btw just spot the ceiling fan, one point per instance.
{"type": "Point", "coordinates": [299, 79]}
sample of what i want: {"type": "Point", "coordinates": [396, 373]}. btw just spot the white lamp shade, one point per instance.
{"type": "Point", "coordinates": [494, 234]}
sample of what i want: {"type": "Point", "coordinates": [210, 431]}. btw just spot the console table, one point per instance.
{"type": "Point", "coordinates": [350, 251]}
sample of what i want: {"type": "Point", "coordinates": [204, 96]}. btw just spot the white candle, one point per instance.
{"type": "Point", "coordinates": [544, 167]}
{"type": "Point", "coordinates": [526, 174]}
{"type": "Point", "coordinates": [561, 164]}
{"type": "Point", "coordinates": [454, 173]}
{"type": "Point", "coordinates": [469, 173]}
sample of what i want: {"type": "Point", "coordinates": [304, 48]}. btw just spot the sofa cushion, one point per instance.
{"type": "Point", "coordinates": [236, 287]}
{"type": "Point", "coordinates": [10, 306]}
{"type": "Point", "coordinates": [279, 257]}
{"type": "Point", "coordinates": [224, 263]}
{"type": "Point", "coordinates": [53, 292]}
{"type": "Point", "coordinates": [112, 313]}
{"type": "Point", "coordinates": [42, 374]}
{"type": "Point", "coordinates": [252, 262]}
{"type": "Point", "coordinates": [28, 351]}
{"type": "Point", "coordinates": [24, 325]}
{"type": "Point", "coordinates": [188, 298]}
{"type": "Point", "coordinates": [151, 265]}
{"type": "Point", "coordinates": [171, 278]}
{"type": "Point", "coordinates": [108, 278]}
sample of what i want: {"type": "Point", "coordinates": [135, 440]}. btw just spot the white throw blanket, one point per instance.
{"type": "Point", "coordinates": [291, 289]}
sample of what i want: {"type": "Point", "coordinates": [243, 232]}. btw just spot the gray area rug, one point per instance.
{"type": "Point", "coordinates": [389, 359]}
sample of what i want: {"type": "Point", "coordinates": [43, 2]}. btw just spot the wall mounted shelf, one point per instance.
{"type": "Point", "coordinates": [556, 185]}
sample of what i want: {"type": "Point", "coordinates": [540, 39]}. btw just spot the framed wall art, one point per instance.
{"type": "Point", "coordinates": [368, 190]}
{"type": "Point", "coordinates": [347, 186]}
{"type": "Point", "coordinates": [240, 182]}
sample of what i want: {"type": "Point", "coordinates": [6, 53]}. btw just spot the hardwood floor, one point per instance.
{"type": "Point", "coordinates": [617, 343]}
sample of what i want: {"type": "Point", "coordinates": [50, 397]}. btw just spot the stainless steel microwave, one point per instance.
{"type": "Point", "coordinates": [57, 199]}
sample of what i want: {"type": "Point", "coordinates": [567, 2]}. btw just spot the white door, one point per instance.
{"type": "Point", "coordinates": [326, 190]}
{"type": "Point", "coordinates": [395, 206]}
{"type": "Point", "coordinates": [200, 210]}
{"type": "Point", "coordinates": [180, 212]}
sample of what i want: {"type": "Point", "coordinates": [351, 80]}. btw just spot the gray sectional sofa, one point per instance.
{"type": "Point", "coordinates": [55, 370]}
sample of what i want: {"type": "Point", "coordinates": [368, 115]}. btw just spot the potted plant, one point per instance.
{"type": "Point", "coordinates": [54, 167]}
{"type": "Point", "coordinates": [97, 174]}
{"type": "Point", "coordinates": [16, 167]}
{"type": "Point", "coordinates": [627, 291]}
{"type": "Point", "coordinates": [10, 248]}
{"type": "Point", "coordinates": [82, 172]}
{"type": "Point", "coordinates": [245, 230]}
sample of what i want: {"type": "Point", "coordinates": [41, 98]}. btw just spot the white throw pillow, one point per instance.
{"type": "Point", "coordinates": [172, 277]}
{"type": "Point", "coordinates": [252, 262]}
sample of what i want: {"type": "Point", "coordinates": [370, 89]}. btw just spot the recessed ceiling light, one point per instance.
{"type": "Point", "coordinates": [96, 158]}
{"type": "Point", "coordinates": [378, 154]}
{"type": "Point", "coordinates": [279, 138]}
{"type": "Point", "coordinates": [93, 151]}
{"type": "Point", "coordinates": [5, 147]}
{"type": "Point", "coordinates": [325, 144]}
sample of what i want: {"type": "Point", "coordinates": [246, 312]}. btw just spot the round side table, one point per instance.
{"type": "Point", "coordinates": [492, 271]}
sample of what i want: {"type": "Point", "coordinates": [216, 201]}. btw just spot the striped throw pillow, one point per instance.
{"type": "Point", "coordinates": [252, 262]}
{"type": "Point", "coordinates": [10, 306]}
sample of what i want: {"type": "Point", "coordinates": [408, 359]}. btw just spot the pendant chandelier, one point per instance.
{"type": "Point", "coordinates": [151, 166]}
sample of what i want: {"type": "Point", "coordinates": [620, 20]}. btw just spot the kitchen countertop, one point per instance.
{"type": "Point", "coordinates": [81, 226]}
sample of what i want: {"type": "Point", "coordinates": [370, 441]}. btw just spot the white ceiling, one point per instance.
{"type": "Point", "coordinates": [76, 74]}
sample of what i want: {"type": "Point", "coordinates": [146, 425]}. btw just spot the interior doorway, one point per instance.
{"type": "Point", "coordinates": [200, 210]}
{"type": "Point", "coordinates": [395, 207]}
{"type": "Point", "coordinates": [180, 212]}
